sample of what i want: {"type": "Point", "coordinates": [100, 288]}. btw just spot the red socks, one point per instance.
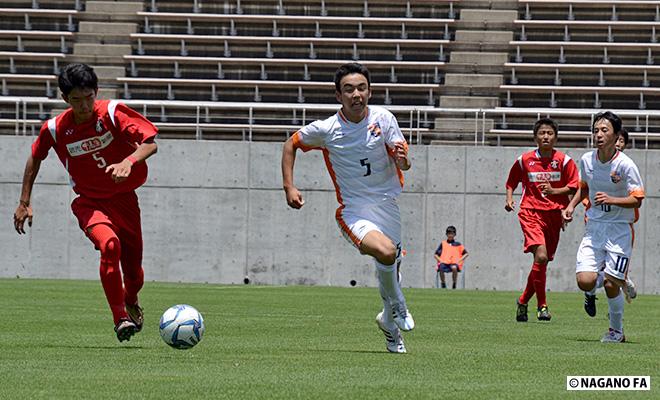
{"type": "Point", "coordinates": [106, 241]}
{"type": "Point", "coordinates": [535, 284]}
{"type": "Point", "coordinates": [539, 283]}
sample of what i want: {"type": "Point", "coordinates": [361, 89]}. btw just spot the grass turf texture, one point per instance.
{"type": "Point", "coordinates": [57, 341]}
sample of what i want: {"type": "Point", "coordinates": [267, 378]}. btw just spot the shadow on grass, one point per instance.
{"type": "Point", "coordinates": [73, 346]}
{"type": "Point", "coordinates": [349, 351]}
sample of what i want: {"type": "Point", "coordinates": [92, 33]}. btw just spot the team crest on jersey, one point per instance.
{"type": "Point", "coordinates": [374, 129]}
{"type": "Point", "coordinates": [615, 177]}
{"type": "Point", "coordinates": [554, 164]}
{"type": "Point", "coordinates": [99, 126]}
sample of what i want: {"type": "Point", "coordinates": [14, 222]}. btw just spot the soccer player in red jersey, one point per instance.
{"type": "Point", "coordinates": [548, 177]}
{"type": "Point", "coordinates": [103, 145]}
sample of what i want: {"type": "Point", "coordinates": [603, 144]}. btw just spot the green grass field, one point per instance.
{"type": "Point", "coordinates": [57, 342]}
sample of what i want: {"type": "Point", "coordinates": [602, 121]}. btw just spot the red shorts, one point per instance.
{"type": "Point", "coordinates": [541, 228]}
{"type": "Point", "coordinates": [121, 212]}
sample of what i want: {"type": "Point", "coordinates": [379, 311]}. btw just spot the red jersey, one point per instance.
{"type": "Point", "coordinates": [531, 169]}
{"type": "Point", "coordinates": [85, 150]}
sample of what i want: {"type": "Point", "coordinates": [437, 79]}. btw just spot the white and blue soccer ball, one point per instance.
{"type": "Point", "coordinates": [181, 326]}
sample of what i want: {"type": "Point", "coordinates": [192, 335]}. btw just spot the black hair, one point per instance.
{"type": "Point", "coordinates": [545, 121]}
{"type": "Point", "coordinates": [77, 76]}
{"type": "Point", "coordinates": [451, 229]}
{"type": "Point", "coordinates": [623, 132]}
{"type": "Point", "coordinates": [609, 116]}
{"type": "Point", "coordinates": [350, 68]}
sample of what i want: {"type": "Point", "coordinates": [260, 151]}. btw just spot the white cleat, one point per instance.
{"type": "Point", "coordinates": [402, 317]}
{"type": "Point", "coordinates": [613, 336]}
{"type": "Point", "coordinates": [629, 290]}
{"type": "Point", "coordinates": [393, 339]}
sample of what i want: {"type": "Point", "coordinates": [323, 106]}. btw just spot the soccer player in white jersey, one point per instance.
{"type": "Point", "coordinates": [364, 153]}
{"type": "Point", "coordinates": [614, 186]}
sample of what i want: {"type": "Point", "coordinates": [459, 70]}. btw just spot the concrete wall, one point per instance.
{"type": "Point", "coordinates": [215, 212]}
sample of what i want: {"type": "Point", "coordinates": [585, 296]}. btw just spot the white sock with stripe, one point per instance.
{"type": "Point", "coordinates": [616, 312]}
{"type": "Point", "coordinates": [389, 283]}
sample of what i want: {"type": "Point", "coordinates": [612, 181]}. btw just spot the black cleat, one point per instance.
{"type": "Point", "coordinates": [543, 314]}
{"type": "Point", "coordinates": [521, 312]}
{"type": "Point", "coordinates": [125, 328]}
{"type": "Point", "coordinates": [590, 304]}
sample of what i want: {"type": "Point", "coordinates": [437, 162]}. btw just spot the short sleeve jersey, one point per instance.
{"type": "Point", "coordinates": [531, 170]}
{"type": "Point", "coordinates": [618, 177]}
{"type": "Point", "coordinates": [85, 150]}
{"type": "Point", "coordinates": [359, 156]}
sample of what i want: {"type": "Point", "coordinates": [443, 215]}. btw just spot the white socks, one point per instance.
{"type": "Point", "coordinates": [616, 312]}
{"type": "Point", "coordinates": [389, 286]}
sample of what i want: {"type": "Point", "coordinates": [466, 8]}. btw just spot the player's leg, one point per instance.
{"type": "Point", "coordinates": [125, 213]}
{"type": "Point", "coordinates": [531, 224]}
{"type": "Point", "coordinates": [454, 275]}
{"type": "Point", "coordinates": [99, 229]}
{"type": "Point", "coordinates": [106, 241]}
{"type": "Point", "coordinates": [619, 250]}
{"type": "Point", "coordinates": [590, 257]}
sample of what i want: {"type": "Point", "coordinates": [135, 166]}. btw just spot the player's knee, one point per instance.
{"type": "Point", "coordinates": [386, 254]}
{"type": "Point", "coordinates": [110, 248]}
{"type": "Point", "coordinates": [585, 283]}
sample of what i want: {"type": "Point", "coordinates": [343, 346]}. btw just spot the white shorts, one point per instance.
{"type": "Point", "coordinates": [383, 217]}
{"type": "Point", "coordinates": [606, 246]}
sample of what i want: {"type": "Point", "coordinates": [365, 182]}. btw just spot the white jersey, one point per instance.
{"type": "Point", "coordinates": [618, 177]}
{"type": "Point", "coordinates": [358, 155]}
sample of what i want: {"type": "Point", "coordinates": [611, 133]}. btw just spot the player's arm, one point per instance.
{"type": "Point", "coordinates": [463, 257]}
{"type": "Point", "coordinates": [629, 201]}
{"type": "Point", "coordinates": [547, 189]}
{"type": "Point", "coordinates": [121, 170]}
{"type": "Point", "coordinates": [514, 178]}
{"type": "Point", "coordinates": [581, 193]}
{"type": "Point", "coordinates": [24, 210]}
{"type": "Point", "coordinates": [293, 196]}
{"type": "Point", "coordinates": [401, 156]}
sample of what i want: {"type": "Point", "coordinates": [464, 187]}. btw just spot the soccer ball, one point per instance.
{"type": "Point", "coordinates": [181, 326]}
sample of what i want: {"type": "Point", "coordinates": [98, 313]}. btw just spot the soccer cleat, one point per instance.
{"type": "Point", "coordinates": [393, 338]}
{"type": "Point", "coordinates": [542, 314]}
{"type": "Point", "coordinates": [613, 336]}
{"type": "Point", "coordinates": [629, 290]}
{"type": "Point", "coordinates": [590, 304]}
{"type": "Point", "coordinates": [402, 317]}
{"type": "Point", "coordinates": [136, 314]}
{"type": "Point", "coordinates": [521, 312]}
{"type": "Point", "coordinates": [125, 328]}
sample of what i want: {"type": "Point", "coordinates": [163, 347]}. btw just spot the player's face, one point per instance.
{"type": "Point", "coordinates": [354, 96]}
{"type": "Point", "coordinates": [451, 236]}
{"type": "Point", "coordinates": [546, 138]}
{"type": "Point", "coordinates": [604, 136]}
{"type": "Point", "coordinates": [620, 143]}
{"type": "Point", "coordinates": [81, 101]}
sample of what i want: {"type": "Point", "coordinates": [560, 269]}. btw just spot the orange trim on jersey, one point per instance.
{"type": "Point", "coordinates": [298, 143]}
{"type": "Point", "coordinates": [390, 152]}
{"type": "Point", "coordinates": [639, 193]}
{"type": "Point", "coordinates": [346, 230]}
{"type": "Point", "coordinates": [333, 176]}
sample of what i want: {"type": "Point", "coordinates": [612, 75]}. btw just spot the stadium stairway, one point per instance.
{"type": "Point", "coordinates": [475, 69]}
{"type": "Point", "coordinates": [104, 39]}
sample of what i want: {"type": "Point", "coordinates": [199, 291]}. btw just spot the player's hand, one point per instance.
{"type": "Point", "coordinates": [567, 216]}
{"type": "Point", "coordinates": [23, 212]}
{"type": "Point", "coordinates": [120, 171]}
{"type": "Point", "coordinates": [602, 198]}
{"type": "Point", "coordinates": [294, 198]}
{"type": "Point", "coordinates": [401, 156]}
{"type": "Point", "coordinates": [546, 188]}
{"type": "Point", "coordinates": [510, 205]}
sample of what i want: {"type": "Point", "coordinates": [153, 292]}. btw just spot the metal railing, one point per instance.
{"type": "Point", "coordinates": [416, 121]}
